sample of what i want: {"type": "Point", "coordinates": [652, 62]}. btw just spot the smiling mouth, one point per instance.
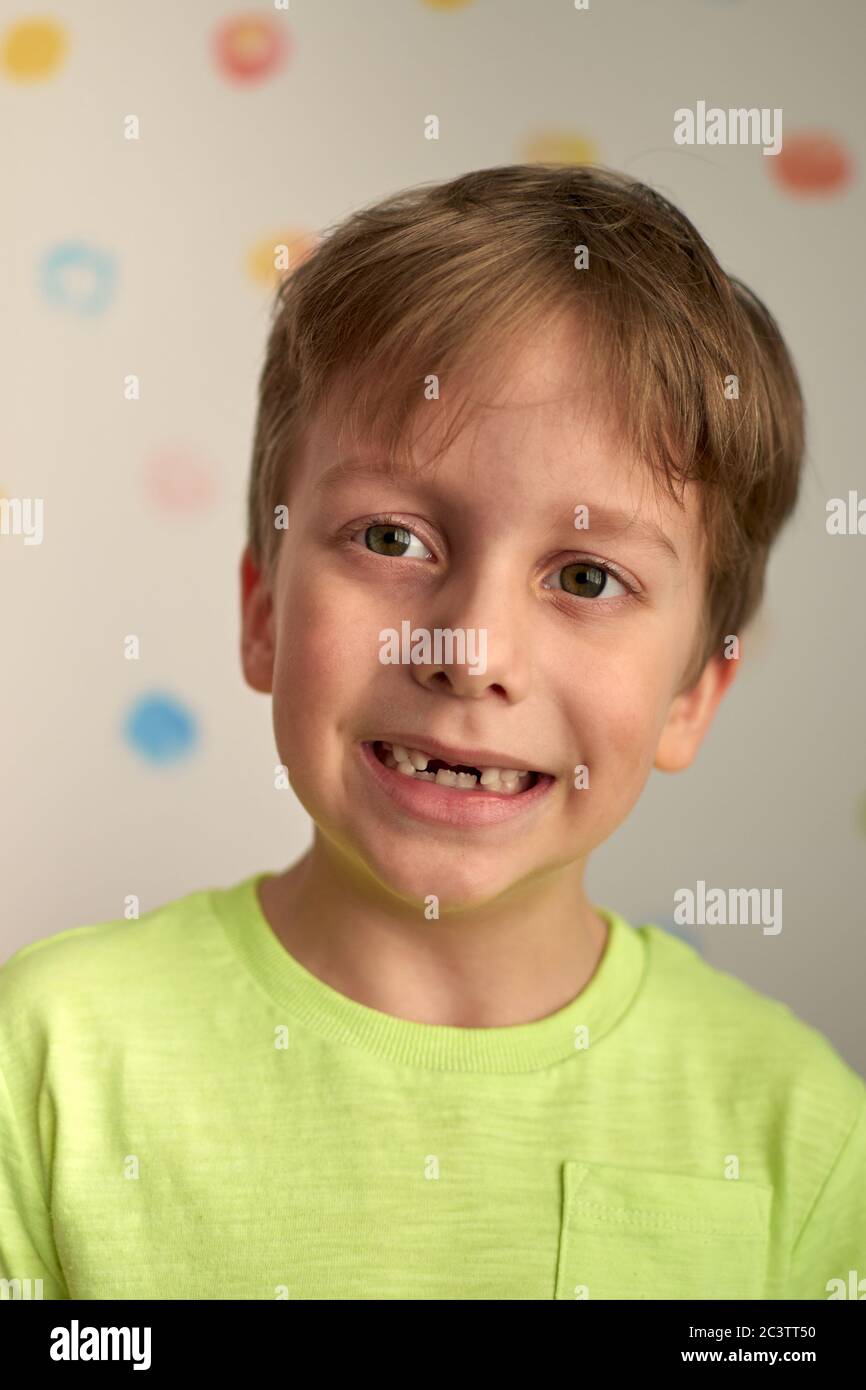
{"type": "Point", "coordinates": [478, 781]}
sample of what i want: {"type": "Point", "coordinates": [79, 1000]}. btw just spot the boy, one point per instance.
{"type": "Point", "coordinates": [527, 412]}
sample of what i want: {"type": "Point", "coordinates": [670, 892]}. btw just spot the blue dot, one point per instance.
{"type": "Point", "coordinates": [79, 277]}
{"type": "Point", "coordinates": [160, 728]}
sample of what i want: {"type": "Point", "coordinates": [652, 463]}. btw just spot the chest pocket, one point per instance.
{"type": "Point", "coordinates": [631, 1233]}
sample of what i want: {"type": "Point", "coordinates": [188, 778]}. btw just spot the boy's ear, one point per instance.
{"type": "Point", "coordinates": [257, 627]}
{"type": "Point", "coordinates": [691, 714]}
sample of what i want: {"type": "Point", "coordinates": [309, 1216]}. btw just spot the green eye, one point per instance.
{"type": "Point", "coordinates": [585, 580]}
{"type": "Point", "coordinates": [388, 538]}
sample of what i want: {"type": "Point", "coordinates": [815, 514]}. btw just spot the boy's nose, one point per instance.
{"type": "Point", "coordinates": [456, 680]}
{"type": "Point", "coordinates": [474, 660]}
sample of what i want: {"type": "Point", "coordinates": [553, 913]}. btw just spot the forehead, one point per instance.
{"type": "Point", "coordinates": [541, 437]}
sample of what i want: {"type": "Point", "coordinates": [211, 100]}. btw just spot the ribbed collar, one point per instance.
{"type": "Point", "coordinates": [522, 1047]}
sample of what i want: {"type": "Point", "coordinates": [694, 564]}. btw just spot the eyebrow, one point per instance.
{"type": "Point", "coordinates": [606, 522]}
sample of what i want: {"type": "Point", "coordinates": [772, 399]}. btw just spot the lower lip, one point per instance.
{"type": "Point", "coordinates": [438, 805]}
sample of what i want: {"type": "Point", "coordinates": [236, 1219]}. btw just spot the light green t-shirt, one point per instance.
{"type": "Point", "coordinates": [187, 1112]}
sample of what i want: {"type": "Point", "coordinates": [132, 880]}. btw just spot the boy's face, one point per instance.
{"type": "Point", "coordinates": [586, 678]}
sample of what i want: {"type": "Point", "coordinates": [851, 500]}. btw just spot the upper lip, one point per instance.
{"type": "Point", "coordinates": [469, 757]}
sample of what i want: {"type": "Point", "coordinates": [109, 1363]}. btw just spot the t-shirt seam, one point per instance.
{"type": "Point", "coordinates": [58, 1274]}
{"type": "Point", "coordinates": [827, 1176]}
{"type": "Point", "coordinates": [41, 942]}
{"type": "Point", "coordinates": [251, 970]}
{"type": "Point", "coordinates": [19, 1135]}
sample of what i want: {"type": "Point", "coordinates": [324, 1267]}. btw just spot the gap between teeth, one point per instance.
{"type": "Point", "coordinates": [412, 762]}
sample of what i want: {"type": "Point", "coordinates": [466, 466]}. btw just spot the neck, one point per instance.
{"type": "Point", "coordinates": [510, 960]}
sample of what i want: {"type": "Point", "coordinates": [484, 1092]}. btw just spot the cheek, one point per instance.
{"type": "Point", "coordinates": [616, 708]}
{"type": "Point", "coordinates": [326, 647]}
{"type": "Point", "coordinates": [616, 729]}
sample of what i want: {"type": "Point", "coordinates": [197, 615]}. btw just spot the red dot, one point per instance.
{"type": "Point", "coordinates": [812, 162]}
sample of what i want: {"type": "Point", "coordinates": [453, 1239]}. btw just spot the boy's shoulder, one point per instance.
{"type": "Point", "coordinates": [740, 1032]}
{"type": "Point", "coordinates": [71, 968]}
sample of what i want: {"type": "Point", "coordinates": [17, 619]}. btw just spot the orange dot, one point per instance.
{"type": "Point", "coordinates": [812, 162]}
{"type": "Point", "coordinates": [33, 49]}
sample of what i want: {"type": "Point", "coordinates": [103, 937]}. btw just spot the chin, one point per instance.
{"type": "Point", "coordinates": [418, 873]}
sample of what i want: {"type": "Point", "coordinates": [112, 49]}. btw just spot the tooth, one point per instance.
{"type": "Point", "coordinates": [414, 762]}
{"type": "Point", "coordinates": [446, 778]}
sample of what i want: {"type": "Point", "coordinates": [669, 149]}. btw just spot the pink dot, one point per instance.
{"type": "Point", "coordinates": [178, 481]}
{"type": "Point", "coordinates": [250, 47]}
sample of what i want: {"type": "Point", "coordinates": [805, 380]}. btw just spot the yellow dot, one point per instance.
{"type": "Point", "coordinates": [559, 147]}
{"type": "Point", "coordinates": [274, 257]}
{"type": "Point", "coordinates": [447, 4]}
{"type": "Point", "coordinates": [33, 49]}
